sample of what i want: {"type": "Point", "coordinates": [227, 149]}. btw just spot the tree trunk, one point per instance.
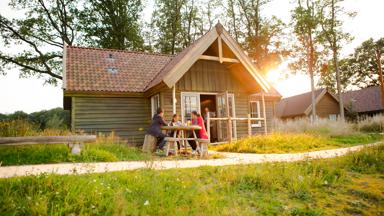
{"type": "Point", "coordinates": [378, 59]}
{"type": "Point", "coordinates": [338, 84]}
{"type": "Point", "coordinates": [311, 73]}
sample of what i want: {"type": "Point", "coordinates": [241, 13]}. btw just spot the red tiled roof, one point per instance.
{"type": "Point", "coordinates": [296, 105]}
{"type": "Point", "coordinates": [364, 100]}
{"type": "Point", "coordinates": [92, 69]}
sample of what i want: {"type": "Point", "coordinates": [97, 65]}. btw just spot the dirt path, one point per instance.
{"type": "Point", "coordinates": [230, 159]}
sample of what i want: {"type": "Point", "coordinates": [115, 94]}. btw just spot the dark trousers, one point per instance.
{"type": "Point", "coordinates": [193, 143]}
{"type": "Point", "coordinates": [161, 141]}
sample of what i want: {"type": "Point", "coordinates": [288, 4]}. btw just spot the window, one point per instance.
{"type": "Point", "coordinates": [333, 117]}
{"type": "Point", "coordinates": [255, 113]}
{"type": "Point", "coordinates": [155, 103]}
{"type": "Point", "coordinates": [190, 102]}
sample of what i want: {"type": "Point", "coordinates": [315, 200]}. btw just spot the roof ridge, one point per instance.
{"type": "Point", "coordinates": [362, 89]}
{"type": "Point", "coordinates": [309, 92]}
{"type": "Point", "coordinates": [117, 50]}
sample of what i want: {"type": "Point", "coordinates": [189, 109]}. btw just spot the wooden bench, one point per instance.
{"type": "Point", "coordinates": [172, 145]}
{"type": "Point", "coordinates": [74, 142]}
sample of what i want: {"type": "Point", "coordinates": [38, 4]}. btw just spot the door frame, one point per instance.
{"type": "Point", "coordinates": [186, 93]}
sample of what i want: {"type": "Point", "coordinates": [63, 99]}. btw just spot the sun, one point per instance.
{"type": "Point", "coordinates": [276, 74]}
{"type": "Point", "coordinates": [273, 75]}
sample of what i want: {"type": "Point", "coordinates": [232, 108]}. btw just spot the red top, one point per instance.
{"type": "Point", "coordinates": [202, 133]}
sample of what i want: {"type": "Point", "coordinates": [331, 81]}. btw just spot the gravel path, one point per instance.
{"type": "Point", "coordinates": [230, 159]}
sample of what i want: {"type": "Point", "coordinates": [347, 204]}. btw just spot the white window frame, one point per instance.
{"type": "Point", "coordinates": [182, 103]}
{"type": "Point", "coordinates": [332, 117]}
{"type": "Point", "coordinates": [155, 99]}
{"type": "Point", "coordinates": [258, 124]}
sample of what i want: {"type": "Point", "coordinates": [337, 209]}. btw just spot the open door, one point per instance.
{"type": "Point", "coordinates": [222, 126]}
{"type": "Point", "coordinates": [225, 107]}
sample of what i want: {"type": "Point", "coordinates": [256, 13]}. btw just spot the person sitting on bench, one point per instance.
{"type": "Point", "coordinates": [202, 134]}
{"type": "Point", "coordinates": [175, 122]}
{"type": "Point", "coordinates": [155, 129]}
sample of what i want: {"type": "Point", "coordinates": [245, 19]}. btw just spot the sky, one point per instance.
{"type": "Point", "coordinates": [30, 95]}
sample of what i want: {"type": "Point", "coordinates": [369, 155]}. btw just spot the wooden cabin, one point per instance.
{"type": "Point", "coordinates": [113, 90]}
{"type": "Point", "coordinates": [364, 102]}
{"type": "Point", "coordinates": [300, 106]}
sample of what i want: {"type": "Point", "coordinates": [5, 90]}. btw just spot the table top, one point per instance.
{"type": "Point", "coordinates": [182, 127]}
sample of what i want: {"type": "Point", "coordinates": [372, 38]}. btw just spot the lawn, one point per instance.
{"type": "Point", "coordinates": [37, 154]}
{"type": "Point", "coordinates": [292, 143]}
{"type": "Point", "coordinates": [349, 185]}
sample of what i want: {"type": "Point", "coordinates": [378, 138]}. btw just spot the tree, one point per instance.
{"type": "Point", "coordinates": [112, 24]}
{"type": "Point", "coordinates": [306, 22]}
{"type": "Point", "coordinates": [358, 70]}
{"type": "Point", "coordinates": [177, 24]}
{"type": "Point", "coordinates": [333, 36]}
{"type": "Point", "coordinates": [43, 31]}
{"type": "Point", "coordinates": [167, 20]}
{"type": "Point", "coordinates": [260, 36]}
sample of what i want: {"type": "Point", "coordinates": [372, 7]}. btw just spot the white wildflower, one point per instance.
{"type": "Point", "coordinates": [146, 202]}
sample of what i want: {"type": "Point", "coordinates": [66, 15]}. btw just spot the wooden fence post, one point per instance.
{"type": "Point", "coordinates": [249, 125]}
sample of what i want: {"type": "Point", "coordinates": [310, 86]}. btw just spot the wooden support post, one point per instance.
{"type": "Point", "coordinates": [229, 129]}
{"type": "Point", "coordinates": [209, 126]}
{"type": "Point", "coordinates": [264, 113]}
{"type": "Point", "coordinates": [174, 99]}
{"type": "Point", "coordinates": [249, 125]}
{"type": "Point", "coordinates": [220, 49]}
{"type": "Point", "coordinates": [229, 123]}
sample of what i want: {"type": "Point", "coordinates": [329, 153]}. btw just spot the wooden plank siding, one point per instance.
{"type": "Point", "coordinates": [127, 117]}
{"type": "Point", "coordinates": [326, 106]}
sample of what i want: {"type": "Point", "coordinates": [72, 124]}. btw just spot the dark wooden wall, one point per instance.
{"type": "Point", "coordinates": [326, 106]}
{"type": "Point", "coordinates": [128, 117]}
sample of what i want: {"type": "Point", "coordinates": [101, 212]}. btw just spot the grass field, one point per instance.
{"type": "Point", "coordinates": [291, 142]}
{"type": "Point", "coordinates": [38, 154]}
{"type": "Point", "coordinates": [349, 185]}
{"type": "Point", "coordinates": [106, 150]}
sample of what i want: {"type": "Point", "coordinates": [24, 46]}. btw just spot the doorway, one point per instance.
{"type": "Point", "coordinates": [219, 105]}
{"type": "Point", "coordinates": [208, 102]}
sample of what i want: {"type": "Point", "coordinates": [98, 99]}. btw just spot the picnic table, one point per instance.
{"type": "Point", "coordinates": [179, 135]}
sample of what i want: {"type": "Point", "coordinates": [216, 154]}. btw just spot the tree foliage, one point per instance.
{"type": "Point", "coordinates": [360, 69]}
{"type": "Point", "coordinates": [112, 24]}
{"type": "Point", "coordinates": [45, 27]}
{"type": "Point", "coordinates": [260, 36]}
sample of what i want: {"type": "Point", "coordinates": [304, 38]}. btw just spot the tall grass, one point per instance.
{"type": "Point", "coordinates": [351, 184]}
{"type": "Point", "coordinates": [373, 124]}
{"type": "Point", "coordinates": [321, 127]}
{"type": "Point", "coordinates": [295, 142]}
{"type": "Point", "coordinates": [25, 128]}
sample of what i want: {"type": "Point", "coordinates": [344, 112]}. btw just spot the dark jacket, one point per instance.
{"type": "Point", "coordinates": [155, 128]}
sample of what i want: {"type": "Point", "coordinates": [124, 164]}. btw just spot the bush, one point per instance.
{"type": "Point", "coordinates": [54, 118]}
{"type": "Point", "coordinates": [25, 128]}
